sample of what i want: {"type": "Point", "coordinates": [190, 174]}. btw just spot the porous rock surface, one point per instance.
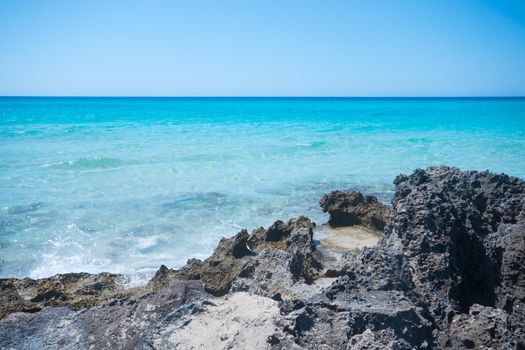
{"type": "Point", "coordinates": [354, 208]}
{"type": "Point", "coordinates": [447, 273]}
{"type": "Point", "coordinates": [75, 290]}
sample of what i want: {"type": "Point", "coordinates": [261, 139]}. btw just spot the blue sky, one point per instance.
{"type": "Point", "coordinates": [262, 48]}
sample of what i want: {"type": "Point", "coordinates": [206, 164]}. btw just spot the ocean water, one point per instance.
{"type": "Point", "coordinates": [126, 184]}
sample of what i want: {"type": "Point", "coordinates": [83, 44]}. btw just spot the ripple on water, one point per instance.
{"type": "Point", "coordinates": [124, 185]}
{"type": "Point", "coordinates": [92, 163]}
{"type": "Point", "coordinates": [22, 209]}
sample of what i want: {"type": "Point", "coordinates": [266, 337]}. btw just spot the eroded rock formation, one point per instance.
{"type": "Point", "coordinates": [354, 208]}
{"type": "Point", "coordinates": [271, 260]}
{"type": "Point", "coordinates": [75, 290]}
{"type": "Point", "coordinates": [448, 273]}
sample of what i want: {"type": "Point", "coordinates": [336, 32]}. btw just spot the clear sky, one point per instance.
{"type": "Point", "coordinates": [270, 48]}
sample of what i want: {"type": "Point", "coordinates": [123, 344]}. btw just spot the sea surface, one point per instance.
{"type": "Point", "coordinates": [127, 184]}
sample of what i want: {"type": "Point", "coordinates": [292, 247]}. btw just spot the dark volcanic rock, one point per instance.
{"type": "Point", "coordinates": [484, 327]}
{"type": "Point", "coordinates": [370, 306]}
{"type": "Point", "coordinates": [382, 267]}
{"type": "Point", "coordinates": [506, 251]}
{"type": "Point", "coordinates": [462, 236]}
{"type": "Point", "coordinates": [338, 323]}
{"type": "Point", "coordinates": [353, 208]}
{"type": "Point", "coordinates": [449, 272]}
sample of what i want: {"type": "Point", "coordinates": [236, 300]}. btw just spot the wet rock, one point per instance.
{"type": "Point", "coordinates": [354, 208]}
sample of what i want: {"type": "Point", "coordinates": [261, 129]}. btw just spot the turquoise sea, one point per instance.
{"type": "Point", "coordinates": [127, 184]}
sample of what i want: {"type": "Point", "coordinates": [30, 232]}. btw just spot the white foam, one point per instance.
{"type": "Point", "coordinates": [52, 264]}
{"type": "Point", "coordinates": [147, 242]}
{"type": "Point", "coordinates": [133, 218]}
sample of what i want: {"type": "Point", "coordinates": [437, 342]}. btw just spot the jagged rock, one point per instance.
{"type": "Point", "coordinates": [448, 273]}
{"type": "Point", "coordinates": [75, 290]}
{"type": "Point", "coordinates": [217, 272]}
{"type": "Point", "coordinates": [284, 249]}
{"type": "Point", "coordinates": [331, 323]}
{"type": "Point", "coordinates": [456, 239]}
{"type": "Point", "coordinates": [277, 271]}
{"type": "Point", "coordinates": [354, 208]}
{"type": "Point", "coordinates": [506, 251]}
{"type": "Point", "coordinates": [483, 328]}
{"type": "Point", "coordinates": [452, 228]}
{"type": "Point", "coordinates": [120, 324]}
{"type": "Point", "coordinates": [379, 340]}
{"type": "Point", "coordinates": [382, 267]}
{"type": "Point", "coordinates": [443, 214]}
{"type": "Point", "coordinates": [241, 284]}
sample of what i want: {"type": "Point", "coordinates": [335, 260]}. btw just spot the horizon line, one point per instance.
{"type": "Point", "coordinates": [265, 96]}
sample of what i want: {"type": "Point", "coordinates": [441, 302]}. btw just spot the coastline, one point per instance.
{"type": "Point", "coordinates": [447, 263]}
{"type": "Point", "coordinates": [125, 185]}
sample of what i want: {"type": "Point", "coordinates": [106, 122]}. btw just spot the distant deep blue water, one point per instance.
{"type": "Point", "coordinates": [127, 184]}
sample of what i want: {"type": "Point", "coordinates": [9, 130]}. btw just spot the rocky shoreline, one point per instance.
{"type": "Point", "coordinates": [448, 272]}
